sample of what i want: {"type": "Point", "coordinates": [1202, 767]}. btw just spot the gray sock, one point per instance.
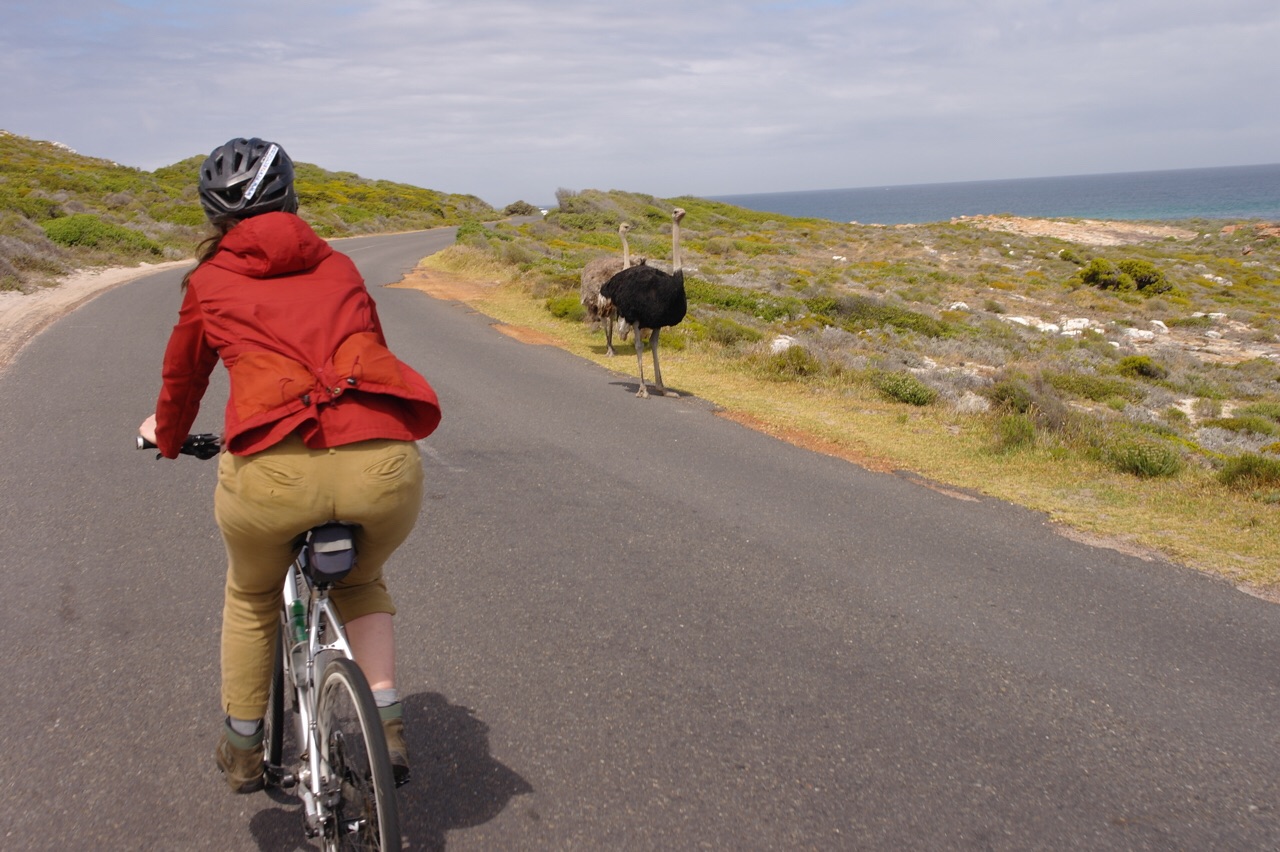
{"type": "Point", "coordinates": [244, 727]}
{"type": "Point", "coordinates": [386, 697]}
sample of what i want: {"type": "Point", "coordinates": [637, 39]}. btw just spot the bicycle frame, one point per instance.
{"type": "Point", "coordinates": [301, 674]}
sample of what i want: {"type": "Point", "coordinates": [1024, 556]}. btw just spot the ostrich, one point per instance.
{"type": "Point", "coordinates": [648, 298]}
{"type": "Point", "coordinates": [595, 274]}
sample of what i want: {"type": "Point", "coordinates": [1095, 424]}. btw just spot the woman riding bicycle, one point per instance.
{"type": "Point", "coordinates": [320, 426]}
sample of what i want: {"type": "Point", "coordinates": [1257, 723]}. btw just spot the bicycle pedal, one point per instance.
{"type": "Point", "coordinates": [278, 777]}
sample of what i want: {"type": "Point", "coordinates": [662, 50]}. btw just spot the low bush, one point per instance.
{"type": "Point", "coordinates": [567, 306]}
{"type": "Point", "coordinates": [1013, 432]}
{"type": "Point", "coordinates": [1269, 410]}
{"type": "Point", "coordinates": [1125, 275]}
{"type": "Point", "coordinates": [1141, 367]}
{"type": "Point", "coordinates": [1249, 471]}
{"type": "Point", "coordinates": [520, 208]}
{"type": "Point", "coordinates": [903, 387]}
{"type": "Point", "coordinates": [1144, 457]}
{"type": "Point", "coordinates": [794, 362]}
{"type": "Point", "coordinates": [727, 332]}
{"type": "Point", "coordinates": [1094, 387]}
{"type": "Point", "coordinates": [1244, 423]}
{"type": "Point", "coordinates": [89, 231]}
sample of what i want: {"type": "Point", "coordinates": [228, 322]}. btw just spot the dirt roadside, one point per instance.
{"type": "Point", "coordinates": [24, 315]}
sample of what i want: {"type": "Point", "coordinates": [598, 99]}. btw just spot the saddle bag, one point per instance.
{"type": "Point", "coordinates": [330, 551]}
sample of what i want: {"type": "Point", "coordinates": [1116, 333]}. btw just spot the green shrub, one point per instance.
{"type": "Point", "coordinates": [1269, 410]}
{"type": "Point", "coordinates": [1143, 457]}
{"type": "Point", "coordinates": [903, 387]}
{"type": "Point", "coordinates": [1095, 388]}
{"type": "Point", "coordinates": [1105, 275]}
{"type": "Point", "coordinates": [1014, 431]}
{"type": "Point", "coordinates": [1125, 275]}
{"type": "Point", "coordinates": [794, 362]}
{"type": "Point", "coordinates": [726, 332]}
{"type": "Point", "coordinates": [520, 208]}
{"type": "Point", "coordinates": [1141, 367]}
{"type": "Point", "coordinates": [1011, 394]}
{"type": "Point", "coordinates": [1250, 471]}
{"type": "Point", "coordinates": [1201, 322]}
{"type": "Point", "coordinates": [1146, 276]}
{"type": "Point", "coordinates": [567, 307]}
{"type": "Point", "coordinates": [88, 231]}
{"type": "Point", "coordinates": [1244, 423]}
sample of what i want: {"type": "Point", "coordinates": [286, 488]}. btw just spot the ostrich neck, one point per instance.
{"type": "Point", "coordinates": [626, 253]}
{"type": "Point", "coordinates": [675, 247]}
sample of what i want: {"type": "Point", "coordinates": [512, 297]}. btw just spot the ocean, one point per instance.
{"type": "Point", "coordinates": [1231, 192]}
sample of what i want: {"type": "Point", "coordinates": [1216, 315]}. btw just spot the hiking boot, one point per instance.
{"type": "Point", "coordinates": [397, 746]}
{"type": "Point", "coordinates": [240, 759]}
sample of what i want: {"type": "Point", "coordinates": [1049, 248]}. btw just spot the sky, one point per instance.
{"type": "Point", "coordinates": [516, 100]}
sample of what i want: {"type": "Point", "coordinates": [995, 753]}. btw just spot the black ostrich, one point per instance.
{"type": "Point", "coordinates": [647, 298]}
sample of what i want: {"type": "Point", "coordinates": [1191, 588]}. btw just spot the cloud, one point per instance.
{"type": "Point", "coordinates": [512, 100]}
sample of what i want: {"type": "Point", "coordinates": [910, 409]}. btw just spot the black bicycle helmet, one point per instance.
{"type": "Point", "coordinates": [246, 177]}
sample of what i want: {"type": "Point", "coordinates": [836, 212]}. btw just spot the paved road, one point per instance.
{"type": "Point", "coordinates": [624, 624]}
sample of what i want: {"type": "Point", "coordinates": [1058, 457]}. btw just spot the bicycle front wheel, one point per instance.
{"type": "Point", "coordinates": [364, 813]}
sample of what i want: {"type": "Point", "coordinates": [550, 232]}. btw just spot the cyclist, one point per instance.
{"type": "Point", "coordinates": [320, 426]}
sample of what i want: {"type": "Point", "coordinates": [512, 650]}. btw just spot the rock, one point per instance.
{"type": "Point", "coordinates": [782, 343]}
{"type": "Point", "coordinates": [971, 403]}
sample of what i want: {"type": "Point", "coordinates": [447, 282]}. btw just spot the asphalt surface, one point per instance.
{"type": "Point", "coordinates": [624, 624]}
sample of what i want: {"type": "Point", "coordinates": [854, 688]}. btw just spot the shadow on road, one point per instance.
{"type": "Point", "coordinates": [456, 783]}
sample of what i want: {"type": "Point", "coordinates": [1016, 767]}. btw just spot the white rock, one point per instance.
{"type": "Point", "coordinates": [971, 403]}
{"type": "Point", "coordinates": [958, 306]}
{"type": "Point", "coordinates": [1139, 334]}
{"type": "Point", "coordinates": [1159, 327]}
{"type": "Point", "coordinates": [782, 343]}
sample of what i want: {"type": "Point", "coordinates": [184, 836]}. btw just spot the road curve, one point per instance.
{"type": "Point", "coordinates": [623, 624]}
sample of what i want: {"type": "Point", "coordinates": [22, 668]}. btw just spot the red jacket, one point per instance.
{"type": "Point", "coordinates": [300, 337]}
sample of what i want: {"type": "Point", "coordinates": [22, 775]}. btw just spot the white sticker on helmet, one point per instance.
{"type": "Point", "coordinates": [263, 167]}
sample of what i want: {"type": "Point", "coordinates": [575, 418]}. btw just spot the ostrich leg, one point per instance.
{"type": "Point", "coordinates": [643, 393]}
{"type": "Point", "coordinates": [657, 371]}
{"type": "Point", "coordinates": [608, 332]}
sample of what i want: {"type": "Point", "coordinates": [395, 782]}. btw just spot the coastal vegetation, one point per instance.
{"type": "Point", "coordinates": [1125, 380]}
{"type": "Point", "coordinates": [60, 210]}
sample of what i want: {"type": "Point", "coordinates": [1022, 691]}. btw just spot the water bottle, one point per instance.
{"type": "Point", "coordinates": [297, 617]}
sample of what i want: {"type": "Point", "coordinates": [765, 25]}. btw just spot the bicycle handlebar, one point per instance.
{"type": "Point", "coordinates": [204, 445]}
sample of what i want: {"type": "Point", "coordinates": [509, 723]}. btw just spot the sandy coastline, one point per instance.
{"type": "Point", "coordinates": [24, 315]}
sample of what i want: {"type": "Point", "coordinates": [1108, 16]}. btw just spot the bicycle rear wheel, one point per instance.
{"type": "Point", "coordinates": [365, 815]}
{"type": "Point", "coordinates": [273, 722]}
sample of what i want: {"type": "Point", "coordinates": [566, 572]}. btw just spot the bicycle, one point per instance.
{"type": "Point", "coordinates": [341, 769]}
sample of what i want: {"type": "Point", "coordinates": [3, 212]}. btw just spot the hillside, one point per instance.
{"type": "Point", "coordinates": [60, 210]}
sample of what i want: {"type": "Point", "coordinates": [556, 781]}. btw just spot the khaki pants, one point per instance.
{"type": "Point", "coordinates": [264, 502]}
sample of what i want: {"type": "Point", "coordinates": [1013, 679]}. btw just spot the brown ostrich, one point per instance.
{"type": "Point", "coordinates": [594, 275]}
